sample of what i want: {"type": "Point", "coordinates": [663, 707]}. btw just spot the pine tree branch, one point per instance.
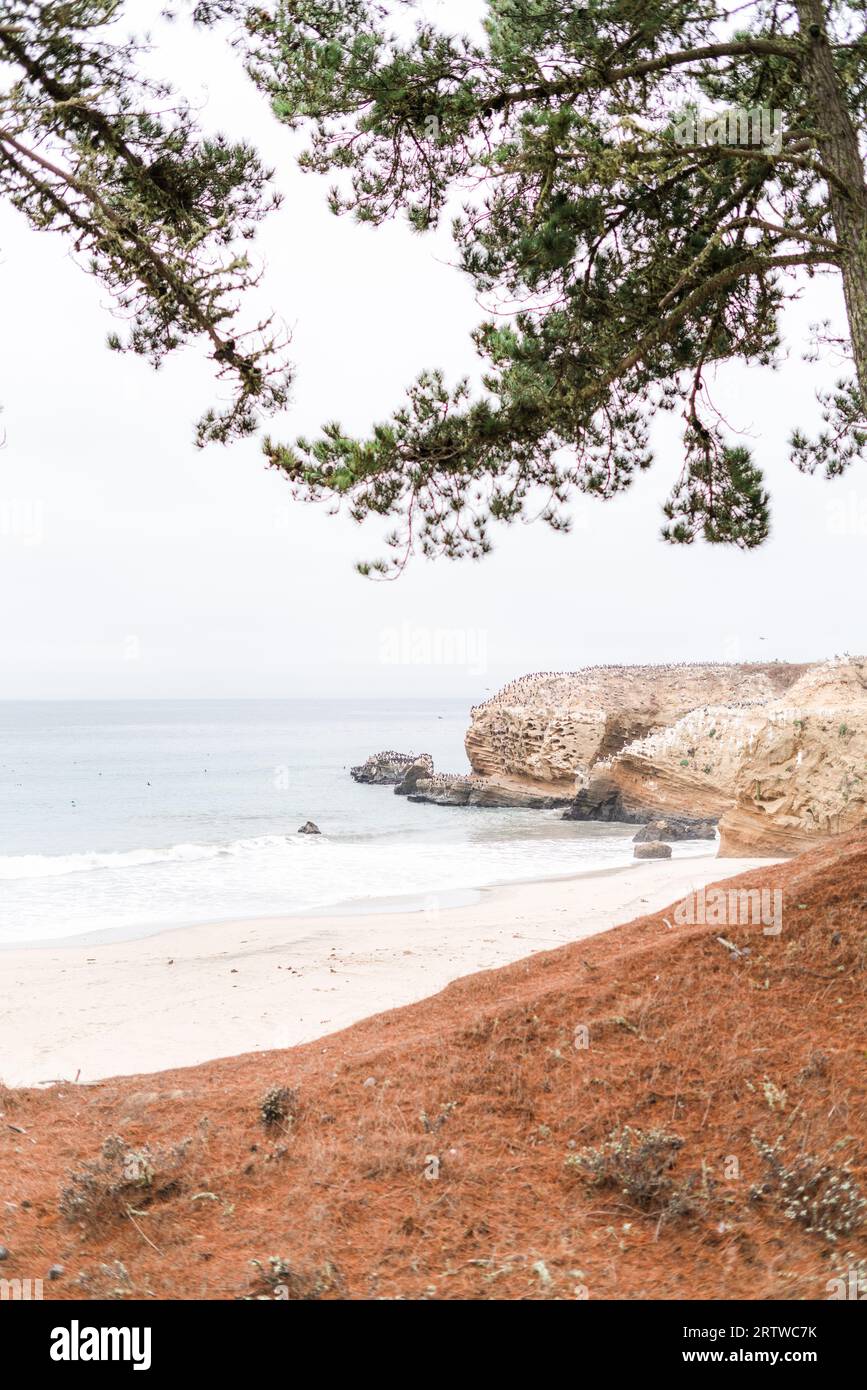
{"type": "Point", "coordinates": [663, 330]}
{"type": "Point", "coordinates": [604, 76]}
{"type": "Point", "coordinates": [163, 270]}
{"type": "Point", "coordinates": [63, 95]}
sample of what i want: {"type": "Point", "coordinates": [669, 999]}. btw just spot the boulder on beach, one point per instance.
{"type": "Point", "coordinates": [309, 828]}
{"type": "Point", "coordinates": [653, 849]}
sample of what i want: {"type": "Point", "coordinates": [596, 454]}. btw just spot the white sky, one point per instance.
{"type": "Point", "coordinates": [133, 565]}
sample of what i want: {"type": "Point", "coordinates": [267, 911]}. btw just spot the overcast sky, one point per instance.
{"type": "Point", "coordinates": [133, 565]}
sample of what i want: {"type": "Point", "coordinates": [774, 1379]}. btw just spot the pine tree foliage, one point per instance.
{"type": "Point", "coordinates": [92, 148]}
{"type": "Point", "coordinates": [625, 244]}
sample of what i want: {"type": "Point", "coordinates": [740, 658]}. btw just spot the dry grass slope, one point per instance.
{"type": "Point", "coordinates": [709, 1142]}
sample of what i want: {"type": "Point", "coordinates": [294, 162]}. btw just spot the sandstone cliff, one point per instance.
{"type": "Point", "coordinates": [803, 774]}
{"type": "Point", "coordinates": [779, 775]}
{"type": "Point", "coordinates": [778, 752]}
{"type": "Point", "coordinates": [550, 728]}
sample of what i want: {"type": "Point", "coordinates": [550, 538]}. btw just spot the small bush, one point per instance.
{"type": "Point", "coordinates": [278, 1106]}
{"type": "Point", "coordinates": [824, 1200]}
{"type": "Point", "coordinates": [105, 1186]}
{"type": "Point", "coordinates": [637, 1163]}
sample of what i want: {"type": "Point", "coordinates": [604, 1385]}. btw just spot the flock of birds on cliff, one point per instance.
{"type": "Point", "coordinates": [528, 684]}
{"type": "Point", "coordinates": [390, 755]}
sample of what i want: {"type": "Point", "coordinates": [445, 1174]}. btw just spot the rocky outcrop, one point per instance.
{"type": "Point", "coordinates": [415, 778]}
{"type": "Point", "coordinates": [676, 828]}
{"type": "Point", "coordinates": [455, 789]}
{"type": "Point", "coordinates": [686, 769]}
{"type": "Point", "coordinates": [603, 800]}
{"type": "Point", "coordinates": [551, 728]}
{"type": "Point", "coordinates": [389, 768]}
{"type": "Point", "coordinates": [309, 828]}
{"type": "Point", "coordinates": [776, 752]}
{"type": "Point", "coordinates": [779, 775]}
{"type": "Point", "coordinates": [420, 767]}
{"type": "Point", "coordinates": [802, 775]}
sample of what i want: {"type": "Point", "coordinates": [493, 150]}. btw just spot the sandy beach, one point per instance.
{"type": "Point", "coordinates": [197, 993]}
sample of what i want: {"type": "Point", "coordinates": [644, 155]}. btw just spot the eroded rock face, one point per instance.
{"type": "Point", "coordinates": [455, 789]}
{"type": "Point", "coordinates": [670, 828]}
{"type": "Point", "coordinates": [779, 775]}
{"type": "Point", "coordinates": [803, 773]}
{"type": "Point", "coordinates": [389, 768]}
{"type": "Point", "coordinates": [685, 770]}
{"type": "Point", "coordinates": [420, 767]}
{"type": "Point", "coordinates": [603, 800]}
{"type": "Point", "coordinates": [443, 789]}
{"type": "Point", "coordinates": [551, 727]}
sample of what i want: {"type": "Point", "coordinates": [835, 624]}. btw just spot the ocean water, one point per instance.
{"type": "Point", "coordinates": [131, 816]}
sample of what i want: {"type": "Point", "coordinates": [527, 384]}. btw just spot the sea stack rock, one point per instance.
{"type": "Point", "coordinates": [653, 849]}
{"type": "Point", "coordinates": [309, 828]}
{"type": "Point", "coordinates": [420, 767]}
{"type": "Point", "coordinates": [387, 769]}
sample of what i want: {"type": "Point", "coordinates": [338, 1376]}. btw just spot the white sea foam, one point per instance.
{"type": "Point", "coordinates": [22, 866]}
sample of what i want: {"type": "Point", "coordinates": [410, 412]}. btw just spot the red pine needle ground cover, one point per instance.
{"type": "Point", "coordinates": [466, 1148]}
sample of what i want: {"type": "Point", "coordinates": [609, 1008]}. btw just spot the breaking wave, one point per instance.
{"type": "Point", "coordinates": [20, 866]}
